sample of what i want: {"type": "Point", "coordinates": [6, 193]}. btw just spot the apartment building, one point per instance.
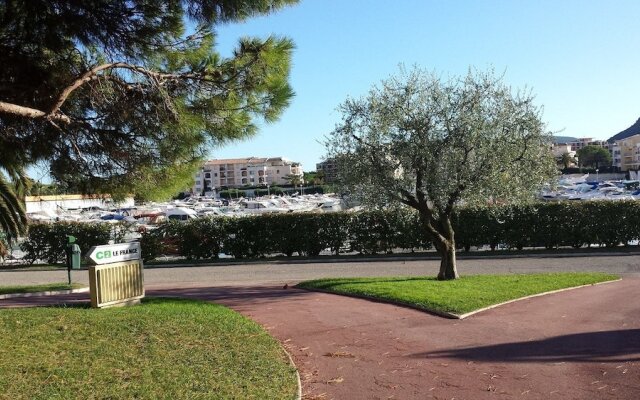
{"type": "Point", "coordinates": [572, 145]}
{"type": "Point", "coordinates": [625, 148]}
{"type": "Point", "coordinates": [579, 143]}
{"type": "Point", "coordinates": [329, 168]}
{"type": "Point", "coordinates": [240, 172]}
{"type": "Point", "coordinates": [626, 153]}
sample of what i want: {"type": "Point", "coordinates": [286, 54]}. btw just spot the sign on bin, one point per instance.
{"type": "Point", "coordinates": [113, 253]}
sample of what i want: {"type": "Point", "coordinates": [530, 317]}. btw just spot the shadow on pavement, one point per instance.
{"type": "Point", "coordinates": [607, 346]}
{"type": "Point", "coordinates": [232, 295]}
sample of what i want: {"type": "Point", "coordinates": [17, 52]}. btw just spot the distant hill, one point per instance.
{"type": "Point", "coordinates": [563, 139]}
{"type": "Point", "coordinates": [630, 131]}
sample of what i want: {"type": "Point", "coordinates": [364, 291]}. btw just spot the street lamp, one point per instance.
{"type": "Point", "coordinates": [597, 175]}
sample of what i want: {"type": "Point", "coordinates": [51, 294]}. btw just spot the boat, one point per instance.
{"type": "Point", "coordinates": [180, 213]}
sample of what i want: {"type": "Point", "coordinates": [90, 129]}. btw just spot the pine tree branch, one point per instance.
{"type": "Point", "coordinates": [28, 112]}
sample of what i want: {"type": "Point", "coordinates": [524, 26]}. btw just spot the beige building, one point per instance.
{"type": "Point", "coordinates": [240, 172]}
{"type": "Point", "coordinates": [626, 153]}
{"type": "Point", "coordinates": [559, 149]}
{"type": "Point", "coordinates": [573, 146]}
{"type": "Point", "coordinates": [583, 142]}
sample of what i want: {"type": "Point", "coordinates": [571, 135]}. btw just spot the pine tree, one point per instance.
{"type": "Point", "coordinates": [124, 96]}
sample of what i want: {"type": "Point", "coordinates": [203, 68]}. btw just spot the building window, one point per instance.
{"type": "Point", "coordinates": [207, 175]}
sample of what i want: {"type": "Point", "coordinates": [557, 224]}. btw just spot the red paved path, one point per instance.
{"type": "Point", "coordinates": [579, 344]}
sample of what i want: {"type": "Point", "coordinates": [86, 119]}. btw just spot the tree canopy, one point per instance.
{"type": "Point", "coordinates": [594, 156]}
{"type": "Point", "coordinates": [125, 96]}
{"type": "Point", "coordinates": [432, 144]}
{"type": "Point", "coordinates": [566, 159]}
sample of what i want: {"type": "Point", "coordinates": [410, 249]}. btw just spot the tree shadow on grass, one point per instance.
{"type": "Point", "coordinates": [607, 346]}
{"type": "Point", "coordinates": [337, 282]}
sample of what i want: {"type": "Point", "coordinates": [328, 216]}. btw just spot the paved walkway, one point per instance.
{"type": "Point", "coordinates": [579, 344]}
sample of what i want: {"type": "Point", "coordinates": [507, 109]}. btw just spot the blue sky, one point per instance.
{"type": "Point", "coordinates": [580, 58]}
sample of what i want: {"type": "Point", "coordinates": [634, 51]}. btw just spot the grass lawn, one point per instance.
{"type": "Point", "coordinates": [161, 349]}
{"type": "Point", "coordinates": [39, 288]}
{"type": "Point", "coordinates": [459, 296]}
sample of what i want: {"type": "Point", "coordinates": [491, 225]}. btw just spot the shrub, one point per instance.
{"type": "Point", "coordinates": [48, 241]}
{"type": "Point", "coordinates": [373, 232]}
{"type": "Point", "coordinates": [409, 234]}
{"type": "Point", "coordinates": [163, 240]}
{"type": "Point", "coordinates": [548, 225]}
{"type": "Point", "coordinates": [201, 238]}
{"type": "Point", "coordinates": [247, 237]}
{"type": "Point", "coordinates": [231, 194]}
{"type": "Point", "coordinates": [334, 229]}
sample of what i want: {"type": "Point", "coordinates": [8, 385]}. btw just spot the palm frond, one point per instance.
{"type": "Point", "coordinates": [13, 219]}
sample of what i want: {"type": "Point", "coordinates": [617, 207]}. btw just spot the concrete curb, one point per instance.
{"type": "Point", "coordinates": [293, 364]}
{"type": "Point", "coordinates": [378, 300]}
{"type": "Point", "coordinates": [463, 316]}
{"type": "Point", "coordinates": [299, 382]}
{"type": "Point", "coordinates": [448, 314]}
{"type": "Point", "coordinates": [86, 290]}
{"type": "Point", "coordinates": [39, 294]}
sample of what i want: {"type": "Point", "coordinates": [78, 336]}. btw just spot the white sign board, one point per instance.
{"type": "Point", "coordinates": [112, 253]}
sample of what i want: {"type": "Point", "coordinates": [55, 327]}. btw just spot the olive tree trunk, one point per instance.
{"type": "Point", "coordinates": [443, 238]}
{"type": "Point", "coordinates": [447, 252]}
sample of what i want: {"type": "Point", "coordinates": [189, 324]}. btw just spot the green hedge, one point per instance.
{"type": "Point", "coordinates": [550, 225]}
{"type": "Point", "coordinates": [543, 225]}
{"type": "Point", "coordinates": [48, 241]}
{"type": "Point", "coordinates": [231, 194]}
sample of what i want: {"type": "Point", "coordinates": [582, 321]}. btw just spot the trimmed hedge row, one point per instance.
{"type": "Point", "coordinates": [48, 241]}
{"type": "Point", "coordinates": [548, 225]}
{"type": "Point", "coordinates": [306, 234]}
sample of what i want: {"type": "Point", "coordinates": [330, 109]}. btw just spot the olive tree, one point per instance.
{"type": "Point", "coordinates": [433, 144]}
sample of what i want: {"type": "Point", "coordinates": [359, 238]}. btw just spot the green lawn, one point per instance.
{"type": "Point", "coordinates": [459, 296]}
{"type": "Point", "coordinates": [39, 288]}
{"type": "Point", "coordinates": [161, 349]}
